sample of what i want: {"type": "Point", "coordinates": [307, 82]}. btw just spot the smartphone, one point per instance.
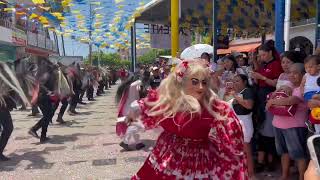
{"type": "Point", "coordinates": [229, 84]}
{"type": "Point", "coordinates": [314, 148]}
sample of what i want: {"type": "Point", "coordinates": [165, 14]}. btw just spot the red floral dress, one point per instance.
{"type": "Point", "coordinates": [197, 147]}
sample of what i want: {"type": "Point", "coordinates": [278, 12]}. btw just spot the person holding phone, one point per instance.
{"type": "Point", "coordinates": [226, 76]}
{"type": "Point", "coordinates": [266, 77]}
{"type": "Point", "coordinates": [313, 171]}
{"type": "Point", "coordinates": [243, 104]}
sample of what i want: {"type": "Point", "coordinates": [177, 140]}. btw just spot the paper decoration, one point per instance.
{"type": "Point", "coordinates": [38, 1]}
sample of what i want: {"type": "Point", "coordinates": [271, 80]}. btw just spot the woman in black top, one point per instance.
{"type": "Point", "coordinates": [242, 105]}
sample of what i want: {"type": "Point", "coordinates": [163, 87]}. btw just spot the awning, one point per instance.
{"type": "Point", "coordinates": [239, 48]}
{"type": "Point", "coordinates": [249, 15]}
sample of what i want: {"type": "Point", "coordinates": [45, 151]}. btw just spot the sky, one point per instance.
{"type": "Point", "coordinates": [114, 15]}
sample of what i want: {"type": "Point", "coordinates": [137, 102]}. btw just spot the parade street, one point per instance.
{"type": "Point", "coordinates": [86, 147]}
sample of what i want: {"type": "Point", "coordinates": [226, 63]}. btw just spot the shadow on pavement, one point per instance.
{"type": "Point", "coordinates": [58, 139]}
{"type": "Point", "coordinates": [35, 157]}
{"type": "Point", "coordinates": [61, 139]}
{"type": "Point", "coordinates": [68, 123]}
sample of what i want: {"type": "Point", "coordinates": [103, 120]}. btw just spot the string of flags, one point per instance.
{"type": "Point", "coordinates": [107, 23]}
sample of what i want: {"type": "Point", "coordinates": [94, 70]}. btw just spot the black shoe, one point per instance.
{"type": "Point", "coordinates": [73, 113]}
{"type": "Point", "coordinates": [125, 146]}
{"type": "Point", "coordinates": [33, 133]}
{"type": "Point", "coordinates": [140, 146]}
{"type": "Point", "coordinates": [259, 168]}
{"type": "Point", "coordinates": [44, 140]}
{"type": "Point", "coordinates": [4, 158]}
{"type": "Point", "coordinates": [60, 121]}
{"type": "Point", "coordinates": [83, 103]}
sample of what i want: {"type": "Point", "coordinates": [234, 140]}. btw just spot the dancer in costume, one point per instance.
{"type": "Point", "coordinates": [202, 137]}
{"type": "Point", "coordinates": [135, 91]}
{"type": "Point", "coordinates": [9, 86]}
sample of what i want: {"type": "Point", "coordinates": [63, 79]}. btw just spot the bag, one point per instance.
{"type": "Point", "coordinates": [121, 126]}
{"type": "Point", "coordinates": [281, 110]}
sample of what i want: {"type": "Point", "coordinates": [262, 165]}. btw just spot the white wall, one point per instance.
{"type": "Point", "coordinates": [5, 35]}
{"type": "Point", "coordinates": [308, 31]}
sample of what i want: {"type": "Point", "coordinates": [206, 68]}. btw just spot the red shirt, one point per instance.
{"type": "Point", "coordinates": [270, 70]}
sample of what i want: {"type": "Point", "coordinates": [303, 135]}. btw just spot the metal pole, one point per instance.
{"type": "Point", "coordinates": [135, 46]}
{"type": "Point", "coordinates": [63, 48]}
{"type": "Point", "coordinates": [279, 20]}
{"type": "Point", "coordinates": [317, 40]}
{"type": "Point", "coordinates": [90, 34]}
{"type": "Point", "coordinates": [132, 50]}
{"type": "Point", "coordinates": [263, 36]}
{"type": "Point", "coordinates": [174, 27]}
{"type": "Point", "coordinates": [57, 41]}
{"type": "Point", "coordinates": [62, 41]}
{"type": "Point", "coordinates": [287, 25]}
{"type": "Point", "coordinates": [214, 29]}
{"type": "Point", "coordinates": [99, 56]}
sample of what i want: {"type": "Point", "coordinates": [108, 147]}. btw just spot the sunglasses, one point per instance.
{"type": "Point", "coordinates": [196, 82]}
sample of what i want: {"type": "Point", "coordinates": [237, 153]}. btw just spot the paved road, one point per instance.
{"type": "Point", "coordinates": [85, 148]}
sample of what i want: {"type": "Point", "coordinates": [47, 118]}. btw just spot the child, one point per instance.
{"type": "Point", "coordinates": [311, 81]}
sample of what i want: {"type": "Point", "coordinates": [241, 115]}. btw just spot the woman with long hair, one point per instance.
{"type": "Point", "coordinates": [266, 78]}
{"type": "Point", "coordinates": [202, 137]}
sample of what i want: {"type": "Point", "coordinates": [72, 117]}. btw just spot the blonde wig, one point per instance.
{"type": "Point", "coordinates": [172, 97]}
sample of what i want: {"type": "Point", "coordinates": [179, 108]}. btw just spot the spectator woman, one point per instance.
{"type": "Point", "coordinates": [288, 58]}
{"type": "Point", "coordinates": [290, 131]}
{"type": "Point", "coordinates": [266, 78]}
{"type": "Point", "coordinates": [242, 105]}
{"type": "Point", "coordinates": [226, 76]}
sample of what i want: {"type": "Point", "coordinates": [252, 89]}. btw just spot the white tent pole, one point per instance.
{"type": "Point", "coordinates": [287, 24]}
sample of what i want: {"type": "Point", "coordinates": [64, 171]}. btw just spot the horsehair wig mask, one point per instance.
{"type": "Point", "coordinates": [8, 82]}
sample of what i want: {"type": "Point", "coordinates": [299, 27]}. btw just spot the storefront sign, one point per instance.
{"type": "Point", "coordinates": [160, 36]}
{"type": "Point", "coordinates": [19, 37]}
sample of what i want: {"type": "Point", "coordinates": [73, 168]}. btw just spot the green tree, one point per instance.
{"type": "Point", "coordinates": [108, 59]}
{"type": "Point", "coordinates": [150, 56]}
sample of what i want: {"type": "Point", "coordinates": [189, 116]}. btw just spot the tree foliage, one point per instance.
{"type": "Point", "coordinates": [114, 59]}
{"type": "Point", "coordinates": [108, 59]}
{"type": "Point", "coordinates": [151, 55]}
